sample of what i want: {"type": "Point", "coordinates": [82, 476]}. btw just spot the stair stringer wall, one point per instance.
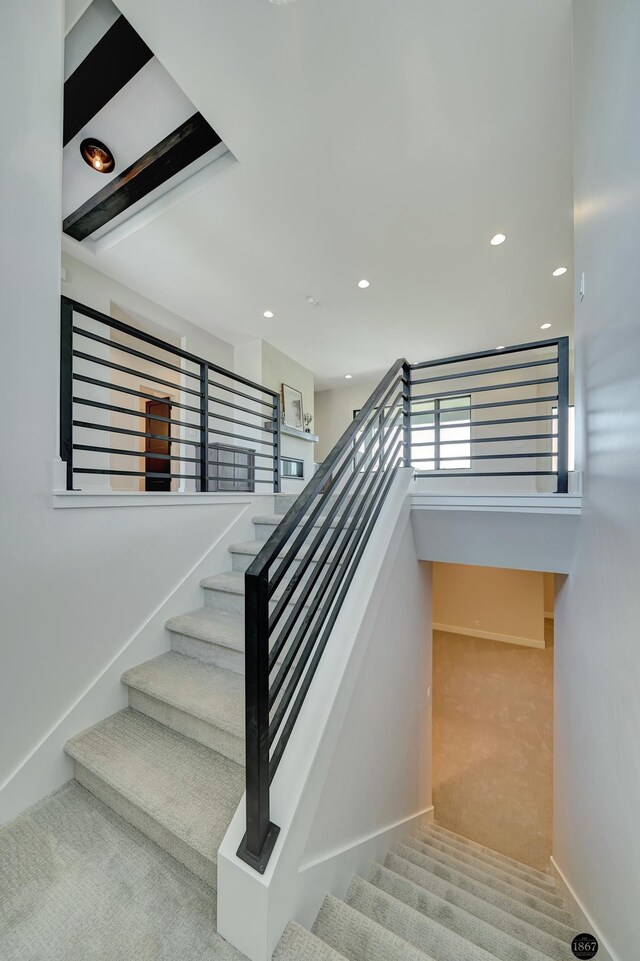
{"type": "Point", "coordinates": [225, 520]}
{"type": "Point", "coordinates": [356, 773]}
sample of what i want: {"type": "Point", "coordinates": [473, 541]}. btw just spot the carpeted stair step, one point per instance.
{"type": "Point", "coordinates": [298, 944]}
{"type": "Point", "coordinates": [244, 553]}
{"type": "Point", "coordinates": [359, 938]}
{"type": "Point", "coordinates": [179, 793]}
{"type": "Point", "coordinates": [453, 926]}
{"type": "Point", "coordinates": [547, 936]}
{"type": "Point", "coordinates": [482, 871]}
{"type": "Point", "coordinates": [225, 592]}
{"type": "Point", "coordinates": [480, 850]}
{"type": "Point", "coordinates": [266, 524]}
{"type": "Point", "coordinates": [476, 882]}
{"type": "Point", "coordinates": [201, 701]}
{"type": "Point", "coordinates": [485, 862]}
{"type": "Point", "coordinates": [435, 940]}
{"type": "Point", "coordinates": [212, 636]}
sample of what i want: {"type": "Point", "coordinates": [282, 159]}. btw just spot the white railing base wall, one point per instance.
{"type": "Point", "coordinates": [344, 793]}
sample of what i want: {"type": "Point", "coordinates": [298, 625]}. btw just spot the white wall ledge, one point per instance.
{"type": "Point", "coordinates": [510, 503]}
{"type": "Point", "coordinates": [84, 499]}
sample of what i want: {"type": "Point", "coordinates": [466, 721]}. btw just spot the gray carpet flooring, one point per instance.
{"type": "Point", "coordinates": [77, 883]}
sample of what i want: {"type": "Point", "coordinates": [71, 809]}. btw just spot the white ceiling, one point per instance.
{"type": "Point", "coordinates": [386, 139]}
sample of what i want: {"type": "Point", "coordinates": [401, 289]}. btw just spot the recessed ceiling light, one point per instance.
{"type": "Point", "coordinates": [498, 239]}
{"type": "Point", "coordinates": [348, 376]}
{"type": "Point", "coordinates": [501, 347]}
{"type": "Point", "coordinates": [97, 155]}
{"type": "Point", "coordinates": [545, 326]}
{"type": "Point", "coordinates": [559, 271]}
{"type": "Point", "coordinates": [312, 300]}
{"type": "Point", "coordinates": [268, 313]}
{"type": "Point", "coordinates": [363, 283]}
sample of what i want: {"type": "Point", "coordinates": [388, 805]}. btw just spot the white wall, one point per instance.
{"type": "Point", "coordinates": [334, 411]}
{"type": "Point", "coordinates": [92, 288]}
{"type": "Point", "coordinates": [267, 365]}
{"type": "Point", "coordinates": [490, 602]}
{"type": "Point", "coordinates": [597, 771]}
{"type": "Point", "coordinates": [77, 586]}
{"type": "Point", "coordinates": [357, 770]}
{"type": "Point", "coordinates": [521, 538]}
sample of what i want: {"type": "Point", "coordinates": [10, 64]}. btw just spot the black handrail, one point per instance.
{"type": "Point", "coordinates": [206, 422]}
{"type": "Point", "coordinates": [324, 533]}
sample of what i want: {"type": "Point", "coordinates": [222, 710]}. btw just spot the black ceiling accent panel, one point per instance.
{"type": "Point", "coordinates": [111, 64]}
{"type": "Point", "coordinates": [187, 143]}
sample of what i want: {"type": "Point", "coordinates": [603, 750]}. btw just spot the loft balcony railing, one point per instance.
{"type": "Point", "coordinates": [138, 413]}
{"type": "Point", "coordinates": [493, 414]}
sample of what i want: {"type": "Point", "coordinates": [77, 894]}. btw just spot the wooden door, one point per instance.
{"type": "Point", "coordinates": [157, 448]}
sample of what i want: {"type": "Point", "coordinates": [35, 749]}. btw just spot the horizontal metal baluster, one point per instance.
{"type": "Point", "coordinates": [533, 453]}
{"type": "Point", "coordinates": [496, 403]}
{"type": "Point", "coordinates": [123, 348]}
{"type": "Point", "coordinates": [483, 473]}
{"type": "Point", "coordinates": [141, 414]}
{"type": "Point", "coordinates": [135, 373]}
{"type": "Point", "coordinates": [478, 390]}
{"type": "Point", "coordinates": [238, 393]}
{"type": "Point", "coordinates": [226, 433]}
{"type": "Point", "coordinates": [481, 354]}
{"type": "Point", "coordinates": [515, 420]}
{"type": "Point", "coordinates": [108, 428]}
{"type": "Point", "coordinates": [482, 440]}
{"type": "Point", "coordinates": [242, 423]}
{"type": "Point", "coordinates": [132, 473]}
{"type": "Point", "coordinates": [120, 389]}
{"type": "Point", "coordinates": [135, 453]}
{"type": "Point", "coordinates": [484, 371]}
{"type": "Point", "coordinates": [265, 415]}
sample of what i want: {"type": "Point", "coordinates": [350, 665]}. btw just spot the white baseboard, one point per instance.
{"type": "Point", "coordinates": [491, 635]}
{"type": "Point", "coordinates": [582, 917]}
{"type": "Point", "coordinates": [402, 827]}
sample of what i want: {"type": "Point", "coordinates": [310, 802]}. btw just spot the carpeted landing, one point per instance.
{"type": "Point", "coordinates": [77, 883]}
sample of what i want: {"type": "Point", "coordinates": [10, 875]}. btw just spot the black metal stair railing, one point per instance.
{"type": "Point", "coordinates": [146, 415]}
{"type": "Point", "coordinates": [295, 587]}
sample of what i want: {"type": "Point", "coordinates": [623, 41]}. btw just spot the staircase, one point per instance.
{"type": "Point", "coordinates": [172, 763]}
{"type": "Point", "coordinates": [439, 897]}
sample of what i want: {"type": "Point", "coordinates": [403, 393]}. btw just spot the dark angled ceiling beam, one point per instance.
{"type": "Point", "coordinates": [115, 59]}
{"type": "Point", "coordinates": [187, 143]}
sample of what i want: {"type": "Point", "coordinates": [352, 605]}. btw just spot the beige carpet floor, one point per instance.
{"type": "Point", "coordinates": [77, 883]}
{"type": "Point", "coordinates": [493, 744]}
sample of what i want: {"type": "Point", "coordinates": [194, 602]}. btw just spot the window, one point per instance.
{"type": "Point", "coordinates": [365, 437]}
{"type": "Point", "coordinates": [571, 453]}
{"type": "Point", "coordinates": [441, 433]}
